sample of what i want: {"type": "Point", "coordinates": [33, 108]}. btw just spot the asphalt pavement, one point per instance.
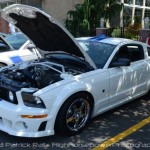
{"type": "Point", "coordinates": [100, 129]}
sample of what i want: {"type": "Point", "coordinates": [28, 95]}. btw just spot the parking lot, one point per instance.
{"type": "Point", "coordinates": [120, 129]}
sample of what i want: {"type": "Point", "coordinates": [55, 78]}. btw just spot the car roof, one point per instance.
{"type": "Point", "coordinates": [109, 40]}
{"type": "Point", "coordinates": [115, 41]}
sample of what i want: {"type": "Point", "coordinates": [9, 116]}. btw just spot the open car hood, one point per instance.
{"type": "Point", "coordinates": [45, 32]}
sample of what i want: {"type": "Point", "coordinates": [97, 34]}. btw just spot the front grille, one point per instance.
{"type": "Point", "coordinates": [4, 95]}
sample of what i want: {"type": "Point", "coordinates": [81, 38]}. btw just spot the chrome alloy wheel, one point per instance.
{"type": "Point", "coordinates": [78, 114]}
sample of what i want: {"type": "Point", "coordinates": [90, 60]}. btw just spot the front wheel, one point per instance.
{"type": "Point", "coordinates": [74, 114]}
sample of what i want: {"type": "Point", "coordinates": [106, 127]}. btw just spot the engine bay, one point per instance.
{"type": "Point", "coordinates": [37, 76]}
{"type": "Point", "coordinates": [41, 73]}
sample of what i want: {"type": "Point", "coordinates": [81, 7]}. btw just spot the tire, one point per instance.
{"type": "Point", "coordinates": [74, 114]}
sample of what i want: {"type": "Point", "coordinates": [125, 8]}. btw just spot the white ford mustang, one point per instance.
{"type": "Point", "coordinates": [69, 85]}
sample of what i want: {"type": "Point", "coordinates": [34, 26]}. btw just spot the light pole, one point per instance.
{"type": "Point", "coordinates": [121, 19]}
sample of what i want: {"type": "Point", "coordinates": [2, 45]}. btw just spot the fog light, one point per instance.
{"type": "Point", "coordinates": [21, 126]}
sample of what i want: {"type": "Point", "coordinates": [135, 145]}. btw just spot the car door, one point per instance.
{"type": "Point", "coordinates": [121, 78]}
{"type": "Point", "coordinates": [139, 66]}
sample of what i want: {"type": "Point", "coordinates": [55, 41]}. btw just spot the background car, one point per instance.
{"type": "Point", "coordinates": [8, 55]}
{"type": "Point", "coordinates": [16, 40]}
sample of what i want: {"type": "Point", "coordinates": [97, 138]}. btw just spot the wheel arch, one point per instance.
{"type": "Point", "coordinates": [88, 94]}
{"type": "Point", "coordinates": [79, 92]}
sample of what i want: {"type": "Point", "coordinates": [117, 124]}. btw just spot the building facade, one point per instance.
{"type": "Point", "coordinates": [134, 11]}
{"type": "Point", "coordinates": [57, 8]}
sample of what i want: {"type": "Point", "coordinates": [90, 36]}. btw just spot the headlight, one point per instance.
{"type": "Point", "coordinates": [32, 101]}
{"type": "Point", "coordinates": [12, 97]}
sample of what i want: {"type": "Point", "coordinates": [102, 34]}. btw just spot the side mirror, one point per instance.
{"type": "Point", "coordinates": [121, 62]}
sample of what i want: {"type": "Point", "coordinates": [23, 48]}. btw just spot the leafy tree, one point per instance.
{"type": "Point", "coordinates": [77, 21]}
{"type": "Point", "coordinates": [86, 17]}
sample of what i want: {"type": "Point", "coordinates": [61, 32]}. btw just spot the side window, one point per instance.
{"type": "Point", "coordinates": [122, 53]}
{"type": "Point", "coordinates": [136, 52]}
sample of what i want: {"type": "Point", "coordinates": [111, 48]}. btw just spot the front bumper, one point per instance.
{"type": "Point", "coordinates": [12, 123]}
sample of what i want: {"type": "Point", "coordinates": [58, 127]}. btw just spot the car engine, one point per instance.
{"type": "Point", "coordinates": [37, 76]}
{"type": "Point", "coordinates": [41, 73]}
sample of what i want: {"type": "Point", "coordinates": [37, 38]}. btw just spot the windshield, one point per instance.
{"type": "Point", "coordinates": [16, 40]}
{"type": "Point", "coordinates": [99, 52]}
{"type": "Point", "coordinates": [4, 47]}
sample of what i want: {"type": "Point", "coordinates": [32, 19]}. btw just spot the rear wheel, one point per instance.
{"type": "Point", "coordinates": [74, 114]}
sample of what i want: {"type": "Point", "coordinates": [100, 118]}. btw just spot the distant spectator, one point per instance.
{"type": "Point", "coordinates": [11, 28]}
{"type": "Point", "coordinates": [148, 41]}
